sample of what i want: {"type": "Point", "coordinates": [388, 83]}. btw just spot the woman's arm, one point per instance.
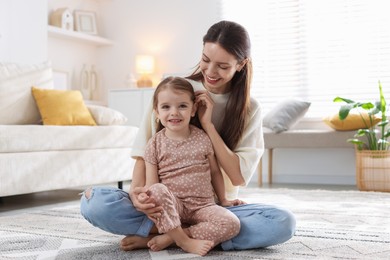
{"type": "Point", "coordinates": [151, 178]}
{"type": "Point", "coordinates": [217, 179]}
{"type": "Point", "coordinates": [240, 164]}
{"type": "Point", "coordinates": [227, 159]}
{"type": "Point", "coordinates": [218, 184]}
{"type": "Point", "coordinates": [138, 179]}
{"type": "Point", "coordinates": [137, 187]}
{"type": "Point", "coordinates": [151, 174]}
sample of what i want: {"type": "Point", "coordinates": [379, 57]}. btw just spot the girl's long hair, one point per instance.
{"type": "Point", "coordinates": [235, 40]}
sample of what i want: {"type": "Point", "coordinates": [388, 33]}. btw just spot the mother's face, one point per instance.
{"type": "Point", "coordinates": [218, 68]}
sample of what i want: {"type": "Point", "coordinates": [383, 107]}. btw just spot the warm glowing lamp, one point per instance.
{"type": "Point", "coordinates": [144, 65]}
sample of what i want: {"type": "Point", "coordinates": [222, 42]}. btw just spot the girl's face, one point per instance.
{"type": "Point", "coordinates": [174, 110]}
{"type": "Point", "coordinates": [218, 68]}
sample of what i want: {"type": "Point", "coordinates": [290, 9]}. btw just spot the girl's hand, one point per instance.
{"type": "Point", "coordinates": [229, 203]}
{"type": "Point", "coordinates": [205, 108]}
{"type": "Point", "coordinates": [144, 203]}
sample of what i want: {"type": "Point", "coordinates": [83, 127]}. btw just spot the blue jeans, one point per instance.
{"type": "Point", "coordinates": [111, 209]}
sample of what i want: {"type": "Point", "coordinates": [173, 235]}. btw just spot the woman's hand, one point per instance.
{"type": "Point", "coordinates": [144, 203]}
{"type": "Point", "coordinates": [205, 108]}
{"type": "Point", "coordinates": [229, 203]}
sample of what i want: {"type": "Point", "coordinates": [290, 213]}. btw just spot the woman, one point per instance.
{"type": "Point", "coordinates": [232, 120]}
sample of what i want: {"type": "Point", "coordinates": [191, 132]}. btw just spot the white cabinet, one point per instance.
{"type": "Point", "coordinates": [131, 102]}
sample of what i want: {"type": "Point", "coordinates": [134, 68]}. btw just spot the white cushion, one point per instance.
{"type": "Point", "coordinates": [17, 105]}
{"type": "Point", "coordinates": [106, 115]}
{"type": "Point", "coordinates": [285, 114]}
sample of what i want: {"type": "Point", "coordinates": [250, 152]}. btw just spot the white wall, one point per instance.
{"type": "Point", "coordinates": [23, 33]}
{"type": "Point", "coordinates": [171, 30]}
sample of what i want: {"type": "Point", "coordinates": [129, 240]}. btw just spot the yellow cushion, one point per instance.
{"type": "Point", "coordinates": [62, 107]}
{"type": "Point", "coordinates": [353, 121]}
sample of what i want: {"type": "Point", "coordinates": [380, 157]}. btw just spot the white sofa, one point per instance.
{"type": "Point", "coordinates": [36, 157]}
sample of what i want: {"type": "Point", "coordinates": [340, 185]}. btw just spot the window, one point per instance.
{"type": "Point", "coordinates": [316, 49]}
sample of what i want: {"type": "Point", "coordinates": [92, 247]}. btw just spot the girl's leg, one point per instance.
{"type": "Point", "coordinates": [170, 225]}
{"type": "Point", "coordinates": [111, 210]}
{"type": "Point", "coordinates": [214, 223]}
{"type": "Point", "coordinates": [172, 207]}
{"type": "Point", "coordinates": [261, 226]}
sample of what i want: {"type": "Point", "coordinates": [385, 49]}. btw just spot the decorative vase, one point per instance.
{"type": "Point", "coordinates": [93, 82]}
{"type": "Point", "coordinates": [85, 83]}
{"type": "Point", "coordinates": [373, 170]}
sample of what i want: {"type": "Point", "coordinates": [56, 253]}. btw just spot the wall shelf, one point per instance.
{"type": "Point", "coordinates": [78, 36]}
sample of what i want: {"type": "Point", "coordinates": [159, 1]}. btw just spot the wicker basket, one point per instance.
{"type": "Point", "coordinates": [373, 170]}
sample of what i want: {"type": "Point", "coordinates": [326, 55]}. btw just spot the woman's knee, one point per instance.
{"type": "Point", "coordinates": [97, 201]}
{"type": "Point", "coordinates": [283, 225]}
{"type": "Point", "coordinates": [288, 223]}
{"type": "Point", "coordinates": [111, 209]}
{"type": "Point", "coordinates": [87, 193]}
{"type": "Point", "coordinates": [262, 226]}
{"type": "Point", "coordinates": [85, 205]}
{"type": "Point", "coordinates": [236, 224]}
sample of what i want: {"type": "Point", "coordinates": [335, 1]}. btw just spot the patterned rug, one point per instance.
{"type": "Point", "coordinates": [330, 225]}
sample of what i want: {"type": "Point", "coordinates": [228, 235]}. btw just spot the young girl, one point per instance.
{"type": "Point", "coordinates": [233, 122]}
{"type": "Point", "coordinates": [180, 156]}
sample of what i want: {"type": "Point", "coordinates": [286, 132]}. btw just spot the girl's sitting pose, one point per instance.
{"type": "Point", "coordinates": [180, 156]}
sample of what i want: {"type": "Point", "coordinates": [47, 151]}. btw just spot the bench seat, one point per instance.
{"type": "Point", "coordinates": [302, 138]}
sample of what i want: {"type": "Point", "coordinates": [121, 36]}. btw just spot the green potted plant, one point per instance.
{"type": "Point", "coordinates": [372, 145]}
{"type": "Point", "coordinates": [371, 131]}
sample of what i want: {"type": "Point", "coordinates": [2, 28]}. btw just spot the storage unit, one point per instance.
{"type": "Point", "coordinates": [131, 102]}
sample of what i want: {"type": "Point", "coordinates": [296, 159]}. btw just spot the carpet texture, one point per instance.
{"type": "Point", "coordinates": [330, 225]}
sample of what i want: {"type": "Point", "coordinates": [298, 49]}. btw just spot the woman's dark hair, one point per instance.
{"type": "Point", "coordinates": [176, 84]}
{"type": "Point", "coordinates": [235, 40]}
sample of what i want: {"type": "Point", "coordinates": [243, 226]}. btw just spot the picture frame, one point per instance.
{"type": "Point", "coordinates": [85, 22]}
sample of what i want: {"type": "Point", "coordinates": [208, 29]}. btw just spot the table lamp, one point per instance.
{"type": "Point", "coordinates": [144, 65]}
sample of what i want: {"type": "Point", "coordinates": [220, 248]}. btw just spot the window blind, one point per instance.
{"type": "Point", "coordinates": [316, 50]}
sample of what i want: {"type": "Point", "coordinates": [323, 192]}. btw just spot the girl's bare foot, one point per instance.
{"type": "Point", "coordinates": [195, 246]}
{"type": "Point", "coordinates": [129, 243]}
{"type": "Point", "coordinates": [160, 242]}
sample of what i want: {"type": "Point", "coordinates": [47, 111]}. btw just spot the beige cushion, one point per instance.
{"type": "Point", "coordinates": [106, 115]}
{"type": "Point", "coordinates": [17, 105]}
